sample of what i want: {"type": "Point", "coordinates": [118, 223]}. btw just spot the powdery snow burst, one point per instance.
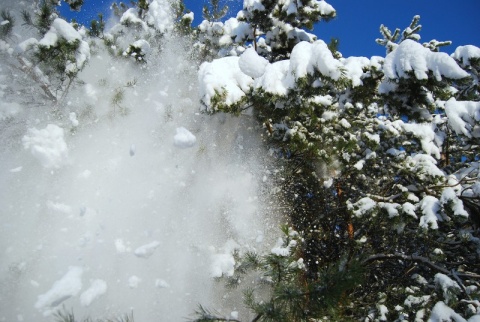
{"type": "Point", "coordinates": [105, 214]}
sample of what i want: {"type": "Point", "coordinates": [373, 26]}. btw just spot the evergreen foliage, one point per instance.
{"type": "Point", "coordinates": [379, 163]}
{"type": "Point", "coordinates": [6, 25]}
{"type": "Point", "coordinates": [374, 174]}
{"type": "Point", "coordinates": [213, 11]}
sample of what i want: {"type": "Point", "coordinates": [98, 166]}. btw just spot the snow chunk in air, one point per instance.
{"type": "Point", "coordinates": [96, 289]}
{"type": "Point", "coordinates": [69, 285]}
{"type": "Point", "coordinates": [147, 250]}
{"type": "Point", "coordinates": [184, 138]}
{"type": "Point", "coordinates": [47, 145]}
{"type": "Point", "coordinates": [160, 15]}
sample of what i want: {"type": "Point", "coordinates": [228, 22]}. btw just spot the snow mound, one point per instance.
{"type": "Point", "coordinates": [96, 289]}
{"type": "Point", "coordinates": [69, 285]}
{"type": "Point", "coordinates": [184, 138]}
{"type": "Point", "coordinates": [306, 58]}
{"type": "Point", "coordinates": [222, 264]}
{"type": "Point", "coordinates": [147, 250]}
{"type": "Point", "coordinates": [47, 145]}
{"type": "Point", "coordinates": [274, 80]}
{"type": "Point", "coordinates": [464, 117]}
{"type": "Point", "coordinates": [411, 56]}
{"type": "Point", "coordinates": [464, 54]}
{"type": "Point", "coordinates": [223, 76]}
{"type": "Point", "coordinates": [60, 29]}
{"type": "Point", "coordinates": [252, 64]}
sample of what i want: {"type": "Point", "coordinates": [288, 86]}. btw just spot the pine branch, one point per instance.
{"type": "Point", "coordinates": [37, 76]}
{"type": "Point", "coordinates": [205, 315]}
{"type": "Point", "coordinates": [418, 259]}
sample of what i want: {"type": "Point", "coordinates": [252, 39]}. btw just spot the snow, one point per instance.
{"type": "Point", "coordinates": [252, 5]}
{"type": "Point", "coordinates": [47, 145]}
{"type": "Point", "coordinates": [411, 56]}
{"type": "Point", "coordinates": [447, 285]}
{"type": "Point", "coordinates": [281, 250]}
{"type": "Point", "coordinates": [325, 8]}
{"type": "Point", "coordinates": [354, 68]}
{"type": "Point", "coordinates": [159, 15]}
{"type": "Point", "coordinates": [429, 139]}
{"type": "Point", "coordinates": [464, 117]}
{"type": "Point", "coordinates": [274, 80]}
{"type": "Point", "coordinates": [223, 76]}
{"type": "Point", "coordinates": [464, 54]}
{"type": "Point", "coordinates": [449, 196]}
{"type": "Point", "coordinates": [441, 312]}
{"type": "Point", "coordinates": [147, 250]}
{"type": "Point", "coordinates": [130, 17]}
{"type": "Point", "coordinates": [425, 166]}
{"type": "Point", "coordinates": [26, 45]}
{"type": "Point", "coordinates": [161, 283]}
{"type": "Point", "coordinates": [430, 207]}
{"type": "Point", "coordinates": [362, 206]}
{"type": "Point", "coordinates": [97, 288]}
{"type": "Point", "coordinates": [306, 58]}
{"type": "Point", "coordinates": [222, 265]}
{"type": "Point", "coordinates": [390, 208]}
{"type": "Point", "coordinates": [143, 45]}
{"type": "Point", "coordinates": [184, 138]}
{"type": "Point", "coordinates": [252, 64]}
{"type": "Point", "coordinates": [8, 110]}
{"type": "Point", "coordinates": [69, 285]}
{"type": "Point", "coordinates": [134, 281]}
{"type": "Point", "coordinates": [60, 29]}
{"type": "Point", "coordinates": [101, 209]}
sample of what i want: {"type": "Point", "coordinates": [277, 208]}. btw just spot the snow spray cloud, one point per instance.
{"type": "Point", "coordinates": [127, 198]}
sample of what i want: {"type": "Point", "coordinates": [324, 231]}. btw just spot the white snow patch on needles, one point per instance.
{"type": "Point", "coordinates": [464, 117]}
{"type": "Point", "coordinates": [430, 207]}
{"type": "Point", "coordinates": [47, 145]}
{"type": "Point", "coordinates": [442, 312]}
{"type": "Point", "coordinates": [223, 76]}
{"type": "Point", "coordinates": [274, 80]}
{"type": "Point", "coordinates": [222, 264]}
{"type": "Point", "coordinates": [306, 58]}
{"type": "Point", "coordinates": [69, 285]}
{"type": "Point", "coordinates": [147, 250]}
{"type": "Point", "coordinates": [60, 29]}
{"type": "Point", "coordinates": [96, 289]}
{"type": "Point", "coordinates": [411, 56]}
{"type": "Point", "coordinates": [464, 54]}
{"type": "Point", "coordinates": [252, 64]}
{"type": "Point", "coordinates": [184, 138]}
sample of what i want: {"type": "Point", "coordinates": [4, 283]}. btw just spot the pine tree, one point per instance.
{"type": "Point", "coordinates": [374, 169]}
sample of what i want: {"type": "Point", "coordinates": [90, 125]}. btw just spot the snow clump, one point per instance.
{"type": "Point", "coordinates": [47, 145]}
{"type": "Point", "coordinates": [252, 64]}
{"type": "Point", "coordinates": [411, 56]}
{"type": "Point", "coordinates": [147, 250]}
{"type": "Point", "coordinates": [464, 54]}
{"type": "Point", "coordinates": [69, 285]}
{"type": "Point", "coordinates": [184, 138]}
{"type": "Point", "coordinates": [96, 289]}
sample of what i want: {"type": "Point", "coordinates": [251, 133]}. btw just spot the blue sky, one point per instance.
{"type": "Point", "coordinates": [357, 23]}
